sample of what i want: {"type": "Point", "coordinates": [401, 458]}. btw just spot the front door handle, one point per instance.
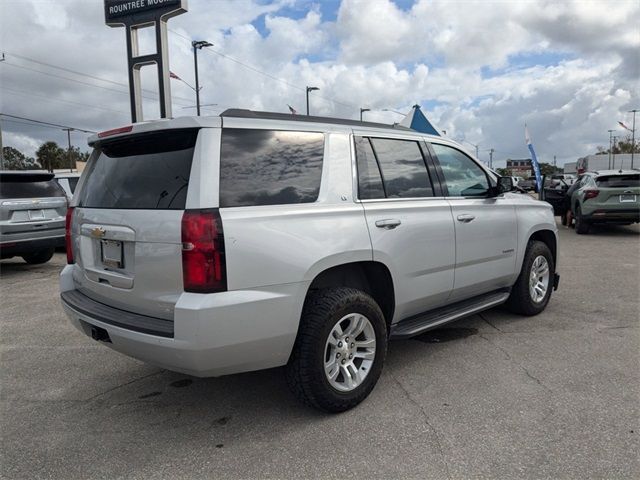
{"type": "Point", "coordinates": [388, 224]}
{"type": "Point", "coordinates": [466, 218]}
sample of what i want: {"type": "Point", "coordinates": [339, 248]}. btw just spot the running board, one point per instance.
{"type": "Point", "coordinates": [416, 325]}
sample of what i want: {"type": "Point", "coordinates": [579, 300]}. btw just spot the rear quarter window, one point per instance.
{"type": "Point", "coordinates": [145, 171]}
{"type": "Point", "coordinates": [269, 167]}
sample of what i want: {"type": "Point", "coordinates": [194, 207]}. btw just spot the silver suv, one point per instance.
{"type": "Point", "coordinates": [216, 245]}
{"type": "Point", "coordinates": [32, 216]}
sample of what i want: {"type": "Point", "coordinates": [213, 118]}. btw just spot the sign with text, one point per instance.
{"type": "Point", "coordinates": [128, 12]}
{"type": "Point", "coordinates": [134, 15]}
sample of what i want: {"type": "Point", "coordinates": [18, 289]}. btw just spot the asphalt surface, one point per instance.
{"type": "Point", "coordinates": [493, 396]}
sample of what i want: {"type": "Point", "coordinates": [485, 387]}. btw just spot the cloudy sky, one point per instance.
{"type": "Point", "coordinates": [480, 70]}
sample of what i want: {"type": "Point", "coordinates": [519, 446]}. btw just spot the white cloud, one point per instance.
{"type": "Point", "coordinates": [569, 69]}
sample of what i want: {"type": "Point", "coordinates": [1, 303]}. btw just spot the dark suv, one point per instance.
{"type": "Point", "coordinates": [32, 216]}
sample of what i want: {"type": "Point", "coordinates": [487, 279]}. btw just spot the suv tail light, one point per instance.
{"type": "Point", "coordinates": [67, 235]}
{"type": "Point", "coordinates": [203, 258]}
{"type": "Point", "coordinates": [591, 194]}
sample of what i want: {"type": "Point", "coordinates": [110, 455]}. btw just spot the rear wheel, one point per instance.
{"type": "Point", "coordinates": [41, 256]}
{"type": "Point", "coordinates": [582, 225]}
{"type": "Point", "coordinates": [340, 349]}
{"type": "Point", "coordinates": [532, 291]}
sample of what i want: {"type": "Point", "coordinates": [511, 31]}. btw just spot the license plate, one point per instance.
{"type": "Point", "coordinates": [111, 253]}
{"type": "Point", "coordinates": [627, 198]}
{"type": "Point", "coordinates": [36, 214]}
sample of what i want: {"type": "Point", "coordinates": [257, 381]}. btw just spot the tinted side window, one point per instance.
{"type": "Point", "coordinates": [369, 180]}
{"type": "Point", "coordinates": [464, 177]}
{"type": "Point", "coordinates": [73, 181]}
{"type": "Point", "coordinates": [403, 169]}
{"type": "Point", "coordinates": [269, 167]}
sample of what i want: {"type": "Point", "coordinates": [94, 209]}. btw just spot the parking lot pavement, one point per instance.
{"type": "Point", "coordinates": [493, 396]}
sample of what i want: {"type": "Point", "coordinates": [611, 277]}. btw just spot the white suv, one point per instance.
{"type": "Point", "coordinates": [216, 245]}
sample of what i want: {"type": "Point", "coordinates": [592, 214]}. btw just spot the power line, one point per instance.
{"type": "Point", "coordinates": [75, 72]}
{"type": "Point", "coordinates": [52, 125]}
{"type": "Point", "coordinates": [273, 77]}
{"type": "Point", "coordinates": [30, 94]}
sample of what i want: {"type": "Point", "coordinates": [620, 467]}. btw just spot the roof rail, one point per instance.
{"type": "Point", "coordinates": [243, 113]}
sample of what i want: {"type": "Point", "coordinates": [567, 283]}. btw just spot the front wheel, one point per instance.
{"type": "Point", "coordinates": [532, 291]}
{"type": "Point", "coordinates": [340, 349]}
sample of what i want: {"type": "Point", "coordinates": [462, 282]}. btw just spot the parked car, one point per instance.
{"type": "Point", "coordinates": [566, 178]}
{"type": "Point", "coordinates": [517, 180]}
{"type": "Point", "coordinates": [68, 182]}
{"type": "Point", "coordinates": [32, 216]}
{"type": "Point", "coordinates": [528, 185]}
{"type": "Point", "coordinates": [608, 196]}
{"type": "Point", "coordinates": [216, 245]}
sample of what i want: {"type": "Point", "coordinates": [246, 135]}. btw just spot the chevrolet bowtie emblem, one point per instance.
{"type": "Point", "coordinates": [98, 232]}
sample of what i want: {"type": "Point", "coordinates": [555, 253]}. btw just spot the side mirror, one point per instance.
{"type": "Point", "coordinates": [505, 184]}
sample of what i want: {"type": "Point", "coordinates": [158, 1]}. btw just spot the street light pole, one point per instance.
{"type": "Point", "coordinates": [310, 89]}
{"type": "Point", "coordinates": [198, 45]}
{"type": "Point", "coordinates": [610, 139]}
{"type": "Point", "coordinates": [362, 110]}
{"type": "Point", "coordinates": [633, 135]}
{"type": "Point", "coordinates": [613, 153]}
{"type": "Point", "coordinates": [491, 157]}
{"type": "Point", "coordinates": [1, 148]}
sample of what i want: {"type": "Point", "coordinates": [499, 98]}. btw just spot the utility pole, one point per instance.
{"type": "Point", "coordinates": [613, 153]}
{"type": "Point", "coordinates": [633, 135]}
{"type": "Point", "coordinates": [1, 148]}
{"type": "Point", "coordinates": [311, 89]}
{"type": "Point", "coordinates": [491, 150]}
{"type": "Point", "coordinates": [69, 130]}
{"type": "Point", "coordinates": [198, 45]}
{"type": "Point", "coordinates": [554, 161]}
{"type": "Point", "coordinates": [610, 143]}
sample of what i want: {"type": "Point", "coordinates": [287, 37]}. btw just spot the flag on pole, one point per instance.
{"type": "Point", "coordinates": [534, 158]}
{"type": "Point", "coordinates": [624, 126]}
{"type": "Point", "coordinates": [173, 75]}
{"type": "Point", "coordinates": [292, 110]}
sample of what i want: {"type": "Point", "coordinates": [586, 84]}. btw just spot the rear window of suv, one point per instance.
{"type": "Point", "coordinates": [144, 171]}
{"type": "Point", "coordinates": [269, 167]}
{"type": "Point", "coordinates": [21, 185]}
{"type": "Point", "coordinates": [618, 181]}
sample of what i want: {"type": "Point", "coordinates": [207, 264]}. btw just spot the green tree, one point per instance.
{"type": "Point", "coordinates": [14, 159]}
{"type": "Point", "coordinates": [548, 169]}
{"type": "Point", "coordinates": [504, 172]}
{"type": "Point", "coordinates": [51, 156]}
{"type": "Point", "coordinates": [621, 146]}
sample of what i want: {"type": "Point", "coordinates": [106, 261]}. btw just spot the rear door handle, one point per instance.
{"type": "Point", "coordinates": [388, 224]}
{"type": "Point", "coordinates": [466, 218]}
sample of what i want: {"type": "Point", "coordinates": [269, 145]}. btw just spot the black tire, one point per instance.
{"type": "Point", "coordinates": [305, 370]}
{"type": "Point", "coordinates": [582, 225]}
{"type": "Point", "coordinates": [41, 256]}
{"type": "Point", "coordinates": [520, 300]}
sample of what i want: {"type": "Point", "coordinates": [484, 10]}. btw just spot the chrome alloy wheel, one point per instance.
{"type": "Point", "coordinates": [349, 352]}
{"type": "Point", "coordinates": [539, 279]}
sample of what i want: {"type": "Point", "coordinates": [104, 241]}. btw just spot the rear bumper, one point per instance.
{"type": "Point", "coordinates": [11, 248]}
{"type": "Point", "coordinates": [613, 216]}
{"type": "Point", "coordinates": [213, 335]}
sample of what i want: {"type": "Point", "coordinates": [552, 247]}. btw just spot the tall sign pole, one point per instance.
{"type": "Point", "coordinates": [134, 15]}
